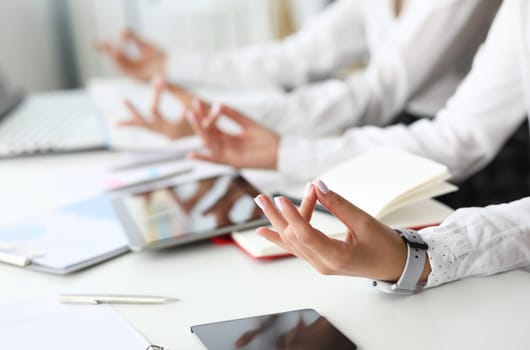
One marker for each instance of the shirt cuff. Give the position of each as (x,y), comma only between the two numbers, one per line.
(448,248)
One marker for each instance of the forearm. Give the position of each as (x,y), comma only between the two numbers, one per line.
(316,110)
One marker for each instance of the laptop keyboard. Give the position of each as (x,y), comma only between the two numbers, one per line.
(51,122)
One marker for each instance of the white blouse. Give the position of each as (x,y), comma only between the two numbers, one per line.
(489,240)
(416,62)
(490,104)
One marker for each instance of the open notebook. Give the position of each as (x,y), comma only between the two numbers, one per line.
(394,186)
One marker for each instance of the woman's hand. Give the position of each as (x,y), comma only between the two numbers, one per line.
(254,146)
(371,249)
(158,123)
(148,62)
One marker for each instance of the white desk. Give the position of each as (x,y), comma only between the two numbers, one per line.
(220,282)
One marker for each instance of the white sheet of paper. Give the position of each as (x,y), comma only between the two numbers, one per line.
(67,236)
(46,324)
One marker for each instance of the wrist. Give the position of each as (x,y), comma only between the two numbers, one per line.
(416,267)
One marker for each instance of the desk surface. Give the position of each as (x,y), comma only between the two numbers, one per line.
(220,282)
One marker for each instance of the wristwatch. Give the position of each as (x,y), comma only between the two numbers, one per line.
(408,282)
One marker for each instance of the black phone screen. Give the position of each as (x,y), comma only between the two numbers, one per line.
(292,330)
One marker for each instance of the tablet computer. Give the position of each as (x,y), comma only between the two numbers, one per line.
(298,329)
(162,215)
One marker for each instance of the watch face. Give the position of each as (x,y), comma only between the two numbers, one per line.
(293,330)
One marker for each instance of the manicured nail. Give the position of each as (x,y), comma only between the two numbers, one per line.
(191,118)
(196,104)
(216,109)
(158,80)
(322,187)
(278,202)
(308,188)
(259,202)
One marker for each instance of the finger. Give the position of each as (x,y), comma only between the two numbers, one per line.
(108,49)
(271,212)
(194,122)
(236,116)
(352,216)
(295,237)
(271,236)
(275,238)
(305,235)
(309,202)
(129,35)
(158,88)
(200,107)
(130,122)
(203,157)
(213,116)
(246,338)
(136,115)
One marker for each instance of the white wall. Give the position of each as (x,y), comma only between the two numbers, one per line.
(28,46)
(205,25)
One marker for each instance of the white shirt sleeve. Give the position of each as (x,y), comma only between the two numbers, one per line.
(317,50)
(486,109)
(479,241)
(430,39)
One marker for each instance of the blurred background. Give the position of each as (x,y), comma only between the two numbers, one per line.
(49,44)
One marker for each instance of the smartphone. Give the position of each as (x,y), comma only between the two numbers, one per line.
(298,329)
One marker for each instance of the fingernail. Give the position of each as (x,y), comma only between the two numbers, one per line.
(158,80)
(322,187)
(278,202)
(216,109)
(196,104)
(259,202)
(190,117)
(308,189)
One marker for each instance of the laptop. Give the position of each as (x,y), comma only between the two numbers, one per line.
(50,122)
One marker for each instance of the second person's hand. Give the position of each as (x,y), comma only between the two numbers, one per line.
(159,123)
(254,146)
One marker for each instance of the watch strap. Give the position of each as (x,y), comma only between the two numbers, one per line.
(414,265)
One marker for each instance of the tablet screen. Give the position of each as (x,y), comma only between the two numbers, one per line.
(189,211)
(299,329)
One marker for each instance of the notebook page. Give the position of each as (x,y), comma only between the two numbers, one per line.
(50,325)
(374,179)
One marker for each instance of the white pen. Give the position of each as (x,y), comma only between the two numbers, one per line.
(13,259)
(114,299)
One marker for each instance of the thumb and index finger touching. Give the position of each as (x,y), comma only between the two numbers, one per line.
(348,213)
